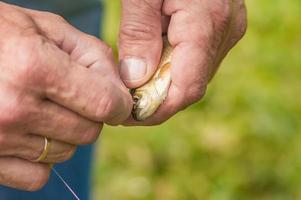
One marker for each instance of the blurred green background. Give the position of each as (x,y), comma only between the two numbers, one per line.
(241,142)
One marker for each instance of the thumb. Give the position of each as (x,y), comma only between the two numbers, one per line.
(140,40)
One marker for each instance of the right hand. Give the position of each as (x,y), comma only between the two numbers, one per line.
(201,34)
(55,82)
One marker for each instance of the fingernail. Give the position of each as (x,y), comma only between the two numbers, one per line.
(132,69)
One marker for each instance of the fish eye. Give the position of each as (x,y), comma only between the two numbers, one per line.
(136,99)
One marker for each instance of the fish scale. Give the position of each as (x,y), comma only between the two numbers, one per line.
(148,98)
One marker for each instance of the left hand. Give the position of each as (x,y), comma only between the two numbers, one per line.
(201,33)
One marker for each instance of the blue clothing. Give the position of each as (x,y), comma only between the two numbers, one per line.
(61,7)
(76,171)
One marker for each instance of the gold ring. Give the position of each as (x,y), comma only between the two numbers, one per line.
(44,154)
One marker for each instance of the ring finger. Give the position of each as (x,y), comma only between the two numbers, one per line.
(31,147)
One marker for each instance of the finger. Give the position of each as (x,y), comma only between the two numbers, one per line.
(237,29)
(58,123)
(183,91)
(191,60)
(168,108)
(202,23)
(22,174)
(84,49)
(140,40)
(201,41)
(175,102)
(90,92)
(96,93)
(196,39)
(30,147)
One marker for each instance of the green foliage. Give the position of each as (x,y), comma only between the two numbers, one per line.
(242,142)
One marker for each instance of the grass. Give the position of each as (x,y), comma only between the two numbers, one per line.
(241,142)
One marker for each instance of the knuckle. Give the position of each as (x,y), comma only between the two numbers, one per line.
(92,40)
(91,134)
(137,30)
(107,50)
(39,179)
(113,110)
(242,29)
(11,114)
(99,47)
(105,108)
(28,58)
(194,94)
(55,17)
(242,24)
(104,49)
(67,154)
(70,152)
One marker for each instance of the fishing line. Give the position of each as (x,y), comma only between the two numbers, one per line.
(65,183)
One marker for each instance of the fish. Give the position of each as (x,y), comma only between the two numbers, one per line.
(148,98)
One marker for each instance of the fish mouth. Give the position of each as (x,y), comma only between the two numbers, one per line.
(136,100)
(142,108)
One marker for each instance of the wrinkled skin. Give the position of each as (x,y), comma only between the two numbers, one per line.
(55,82)
(201,32)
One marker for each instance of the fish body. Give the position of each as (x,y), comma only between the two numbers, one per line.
(150,96)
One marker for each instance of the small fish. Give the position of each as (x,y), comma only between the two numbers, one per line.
(150,96)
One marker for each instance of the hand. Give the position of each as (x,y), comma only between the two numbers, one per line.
(55,82)
(201,33)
